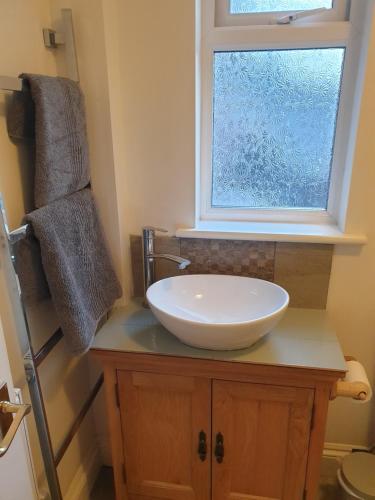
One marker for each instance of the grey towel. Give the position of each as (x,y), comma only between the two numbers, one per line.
(80,276)
(53,109)
(30,271)
(20,115)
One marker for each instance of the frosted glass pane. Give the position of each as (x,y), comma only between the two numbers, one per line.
(250,6)
(274,117)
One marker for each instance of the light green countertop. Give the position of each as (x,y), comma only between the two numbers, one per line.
(303,338)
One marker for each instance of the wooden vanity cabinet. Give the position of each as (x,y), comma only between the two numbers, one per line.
(191,429)
(260,437)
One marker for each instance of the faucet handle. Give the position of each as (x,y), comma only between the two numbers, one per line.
(149,231)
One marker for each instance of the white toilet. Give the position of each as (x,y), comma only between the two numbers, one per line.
(357,476)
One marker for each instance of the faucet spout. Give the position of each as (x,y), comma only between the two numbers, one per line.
(182,263)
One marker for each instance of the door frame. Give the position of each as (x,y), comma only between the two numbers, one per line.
(19,444)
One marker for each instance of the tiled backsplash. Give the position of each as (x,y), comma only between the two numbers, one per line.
(242,258)
(302,269)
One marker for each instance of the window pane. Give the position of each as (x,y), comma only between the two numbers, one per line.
(274,117)
(250,6)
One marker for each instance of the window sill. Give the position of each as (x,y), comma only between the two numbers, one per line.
(267,231)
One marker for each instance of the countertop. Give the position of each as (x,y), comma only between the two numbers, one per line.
(303,339)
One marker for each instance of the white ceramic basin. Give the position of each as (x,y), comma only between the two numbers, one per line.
(213,311)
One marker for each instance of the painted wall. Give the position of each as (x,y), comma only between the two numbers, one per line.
(150,56)
(65,382)
(351,298)
(157,73)
(156,180)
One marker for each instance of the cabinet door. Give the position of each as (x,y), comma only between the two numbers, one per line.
(163,419)
(262,431)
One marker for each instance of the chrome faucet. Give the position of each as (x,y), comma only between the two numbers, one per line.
(149,255)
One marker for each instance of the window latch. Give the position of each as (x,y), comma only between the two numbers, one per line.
(299,15)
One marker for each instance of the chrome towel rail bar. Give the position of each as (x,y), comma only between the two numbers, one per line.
(10,83)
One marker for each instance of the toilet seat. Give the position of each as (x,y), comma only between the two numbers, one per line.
(358,474)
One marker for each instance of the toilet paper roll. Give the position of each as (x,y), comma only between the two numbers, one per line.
(355,385)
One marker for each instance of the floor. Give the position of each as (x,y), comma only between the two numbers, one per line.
(329,489)
(104,489)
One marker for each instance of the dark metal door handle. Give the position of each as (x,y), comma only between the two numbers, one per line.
(202,446)
(219,448)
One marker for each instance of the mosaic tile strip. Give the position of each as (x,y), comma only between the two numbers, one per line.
(239,258)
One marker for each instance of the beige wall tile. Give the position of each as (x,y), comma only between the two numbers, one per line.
(304,271)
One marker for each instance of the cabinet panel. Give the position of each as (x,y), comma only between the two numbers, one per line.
(264,431)
(162,417)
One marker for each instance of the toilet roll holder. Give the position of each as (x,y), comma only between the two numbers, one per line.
(349,389)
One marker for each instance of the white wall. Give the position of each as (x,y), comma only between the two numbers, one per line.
(351,299)
(157,72)
(150,56)
(156,181)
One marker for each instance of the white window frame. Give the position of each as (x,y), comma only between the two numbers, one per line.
(338,12)
(325,33)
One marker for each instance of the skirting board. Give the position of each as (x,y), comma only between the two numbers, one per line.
(85,476)
(340,450)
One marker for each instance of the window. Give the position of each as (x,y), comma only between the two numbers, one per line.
(274,121)
(252,6)
(278,80)
(264,12)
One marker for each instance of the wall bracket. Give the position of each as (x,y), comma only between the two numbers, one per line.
(63,39)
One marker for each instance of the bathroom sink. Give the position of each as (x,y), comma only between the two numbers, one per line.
(218,312)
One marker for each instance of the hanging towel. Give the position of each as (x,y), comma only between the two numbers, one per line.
(80,276)
(52,109)
(30,271)
(20,116)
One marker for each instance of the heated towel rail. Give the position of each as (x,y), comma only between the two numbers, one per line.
(32,361)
